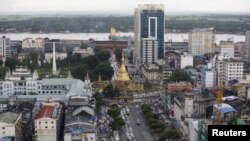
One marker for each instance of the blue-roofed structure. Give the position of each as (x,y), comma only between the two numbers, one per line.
(228,112)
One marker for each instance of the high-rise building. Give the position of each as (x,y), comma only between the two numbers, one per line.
(247,47)
(201,41)
(5,50)
(149,28)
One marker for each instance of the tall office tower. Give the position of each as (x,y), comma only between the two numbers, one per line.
(5,49)
(247,47)
(201,41)
(149,28)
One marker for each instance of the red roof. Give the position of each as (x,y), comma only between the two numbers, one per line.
(46,111)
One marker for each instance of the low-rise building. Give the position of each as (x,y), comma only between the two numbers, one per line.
(152,72)
(59,56)
(21,73)
(179,86)
(179,47)
(48,122)
(11,125)
(33,43)
(186,60)
(84,52)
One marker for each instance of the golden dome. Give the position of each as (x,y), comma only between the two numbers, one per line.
(122,74)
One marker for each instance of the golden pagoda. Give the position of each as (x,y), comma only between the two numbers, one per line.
(122,74)
(100,84)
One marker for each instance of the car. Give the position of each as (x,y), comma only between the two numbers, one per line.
(138,121)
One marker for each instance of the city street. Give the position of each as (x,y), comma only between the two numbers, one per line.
(142,131)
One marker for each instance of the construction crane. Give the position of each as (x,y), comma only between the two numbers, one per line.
(218,119)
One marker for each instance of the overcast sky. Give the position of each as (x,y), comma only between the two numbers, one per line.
(123,5)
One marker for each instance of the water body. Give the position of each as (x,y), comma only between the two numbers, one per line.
(176,37)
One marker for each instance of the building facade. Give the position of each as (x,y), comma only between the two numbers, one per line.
(186,60)
(11,125)
(178,47)
(232,70)
(247,46)
(33,43)
(47,122)
(201,41)
(208,76)
(149,25)
(5,49)
(227,47)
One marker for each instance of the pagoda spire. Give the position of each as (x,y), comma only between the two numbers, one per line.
(122,74)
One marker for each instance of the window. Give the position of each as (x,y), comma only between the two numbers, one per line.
(46,126)
(3,132)
(46,122)
(52,122)
(52,126)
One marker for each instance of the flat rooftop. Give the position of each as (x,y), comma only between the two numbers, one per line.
(8,117)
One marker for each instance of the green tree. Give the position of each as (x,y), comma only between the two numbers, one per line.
(91,61)
(11,63)
(105,69)
(113,112)
(2,72)
(103,55)
(79,72)
(180,76)
(98,99)
(118,54)
(172,134)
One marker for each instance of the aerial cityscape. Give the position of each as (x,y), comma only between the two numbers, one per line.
(124,70)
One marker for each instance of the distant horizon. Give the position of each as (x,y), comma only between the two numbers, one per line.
(111,12)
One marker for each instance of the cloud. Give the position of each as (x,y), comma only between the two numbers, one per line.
(123,5)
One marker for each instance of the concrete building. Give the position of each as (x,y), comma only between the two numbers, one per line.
(47,122)
(227,47)
(208,76)
(232,70)
(201,41)
(21,73)
(80,120)
(191,105)
(33,43)
(5,48)
(84,52)
(61,88)
(11,125)
(152,72)
(149,32)
(247,46)
(59,56)
(181,86)
(179,47)
(186,60)
(239,49)
(218,63)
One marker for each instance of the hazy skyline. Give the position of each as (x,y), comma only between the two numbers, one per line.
(221,6)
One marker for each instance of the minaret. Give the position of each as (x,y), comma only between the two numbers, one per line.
(54,71)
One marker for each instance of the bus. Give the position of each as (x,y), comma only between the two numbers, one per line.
(116,136)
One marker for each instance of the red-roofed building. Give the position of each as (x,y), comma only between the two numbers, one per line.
(47,121)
